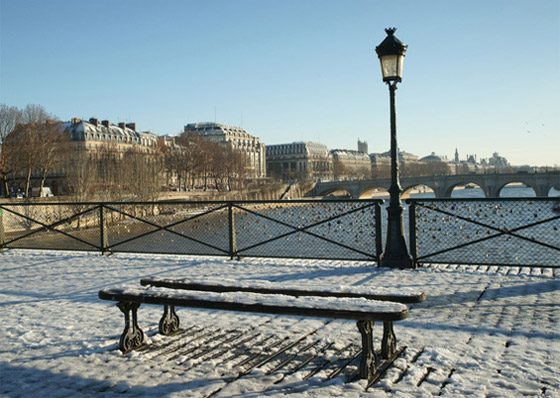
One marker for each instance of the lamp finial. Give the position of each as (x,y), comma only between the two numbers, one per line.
(390,31)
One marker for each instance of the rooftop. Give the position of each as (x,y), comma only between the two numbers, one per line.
(92,128)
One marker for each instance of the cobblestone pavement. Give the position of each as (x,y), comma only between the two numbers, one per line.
(482,332)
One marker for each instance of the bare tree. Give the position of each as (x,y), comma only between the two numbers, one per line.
(21,145)
(33,113)
(196,158)
(142,174)
(82,179)
(237,168)
(24,145)
(208,163)
(382,170)
(339,170)
(109,172)
(410,169)
(53,147)
(10,116)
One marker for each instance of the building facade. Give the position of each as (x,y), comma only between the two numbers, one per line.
(349,164)
(381,162)
(299,161)
(362,146)
(238,139)
(93,136)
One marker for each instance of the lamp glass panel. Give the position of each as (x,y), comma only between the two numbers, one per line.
(391,66)
(400,66)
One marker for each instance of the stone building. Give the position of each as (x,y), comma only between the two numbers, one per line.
(93,135)
(113,156)
(349,164)
(362,146)
(239,139)
(381,162)
(90,140)
(433,158)
(299,161)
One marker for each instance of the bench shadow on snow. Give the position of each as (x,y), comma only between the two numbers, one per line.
(17,381)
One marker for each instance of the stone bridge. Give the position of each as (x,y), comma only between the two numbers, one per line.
(491,184)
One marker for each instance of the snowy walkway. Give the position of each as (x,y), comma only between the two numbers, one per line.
(483,332)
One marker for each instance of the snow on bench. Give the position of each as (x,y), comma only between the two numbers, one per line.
(400,295)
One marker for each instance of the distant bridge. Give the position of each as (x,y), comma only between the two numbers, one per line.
(442,186)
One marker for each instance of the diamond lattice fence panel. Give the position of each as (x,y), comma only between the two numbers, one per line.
(50,226)
(305,229)
(489,231)
(181,228)
(298,229)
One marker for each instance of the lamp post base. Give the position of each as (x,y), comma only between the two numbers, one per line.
(396,254)
(399,261)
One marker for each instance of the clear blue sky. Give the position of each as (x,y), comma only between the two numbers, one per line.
(479,75)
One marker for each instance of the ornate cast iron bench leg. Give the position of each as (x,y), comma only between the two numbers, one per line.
(368,362)
(132,336)
(389,342)
(169,322)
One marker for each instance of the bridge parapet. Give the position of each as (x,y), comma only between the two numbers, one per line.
(443,186)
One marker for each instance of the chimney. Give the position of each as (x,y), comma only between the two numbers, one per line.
(131,126)
(122,125)
(94,121)
(106,123)
(75,120)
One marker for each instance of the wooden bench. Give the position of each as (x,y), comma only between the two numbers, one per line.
(408,296)
(318,304)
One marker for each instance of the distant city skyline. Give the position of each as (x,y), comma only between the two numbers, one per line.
(480,81)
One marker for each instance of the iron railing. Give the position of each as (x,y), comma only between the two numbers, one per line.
(512,231)
(320,229)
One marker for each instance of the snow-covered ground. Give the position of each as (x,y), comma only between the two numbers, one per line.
(482,332)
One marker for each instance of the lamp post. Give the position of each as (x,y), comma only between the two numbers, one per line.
(391,55)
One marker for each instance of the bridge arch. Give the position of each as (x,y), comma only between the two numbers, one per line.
(508,190)
(372,192)
(425,190)
(336,192)
(407,185)
(468,189)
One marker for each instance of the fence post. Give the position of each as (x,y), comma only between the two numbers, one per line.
(2,234)
(378,232)
(412,231)
(232,240)
(102,230)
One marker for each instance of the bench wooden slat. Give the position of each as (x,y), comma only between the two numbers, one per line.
(385,311)
(180,284)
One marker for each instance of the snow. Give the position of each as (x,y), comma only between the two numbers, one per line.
(357,305)
(482,331)
(260,284)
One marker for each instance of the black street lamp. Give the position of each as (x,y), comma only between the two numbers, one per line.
(391,55)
